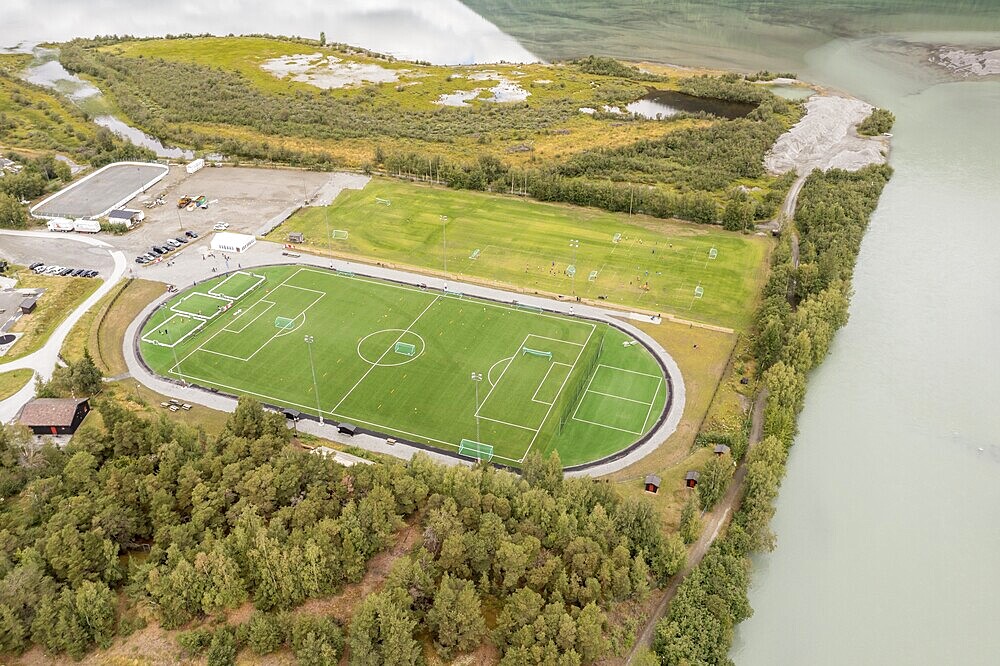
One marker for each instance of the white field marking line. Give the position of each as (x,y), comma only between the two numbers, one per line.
(173,307)
(284,332)
(507,423)
(585,392)
(201,323)
(502,373)
(489,373)
(568,375)
(306,408)
(564,342)
(221,330)
(260,279)
(619,397)
(534,398)
(634,372)
(652,402)
(475,299)
(604,425)
(250,323)
(388,349)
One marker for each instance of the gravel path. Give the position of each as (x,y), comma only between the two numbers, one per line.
(190,267)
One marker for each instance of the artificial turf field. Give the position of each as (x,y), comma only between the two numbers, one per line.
(547,381)
(656,264)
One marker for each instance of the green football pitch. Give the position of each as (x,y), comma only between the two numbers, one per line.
(456,373)
(694,271)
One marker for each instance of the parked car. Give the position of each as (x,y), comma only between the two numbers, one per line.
(77,272)
(52,270)
(140,260)
(190,234)
(65,272)
(221,226)
(91,274)
(172,243)
(158,251)
(40,269)
(181,239)
(35,265)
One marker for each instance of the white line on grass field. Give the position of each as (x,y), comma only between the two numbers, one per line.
(250,323)
(651,402)
(563,386)
(512,425)
(174,370)
(618,397)
(388,349)
(502,373)
(534,398)
(634,372)
(604,425)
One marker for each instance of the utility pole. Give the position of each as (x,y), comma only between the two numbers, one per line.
(575,244)
(319,411)
(444,240)
(476,378)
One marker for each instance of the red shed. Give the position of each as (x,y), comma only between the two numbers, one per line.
(691,479)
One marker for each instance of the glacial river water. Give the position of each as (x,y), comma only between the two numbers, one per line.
(889,519)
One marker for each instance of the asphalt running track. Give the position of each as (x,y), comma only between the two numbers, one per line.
(267,253)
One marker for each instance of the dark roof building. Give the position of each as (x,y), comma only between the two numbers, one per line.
(691,479)
(652,483)
(721,449)
(54,416)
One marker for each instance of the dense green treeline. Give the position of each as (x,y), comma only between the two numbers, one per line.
(878,122)
(149,514)
(802,309)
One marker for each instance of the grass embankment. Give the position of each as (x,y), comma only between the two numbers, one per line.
(35,119)
(62,296)
(13,381)
(655,267)
(703,357)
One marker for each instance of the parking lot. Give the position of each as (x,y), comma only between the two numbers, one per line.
(55,250)
(244,198)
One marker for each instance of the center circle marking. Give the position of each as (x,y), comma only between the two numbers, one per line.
(386,351)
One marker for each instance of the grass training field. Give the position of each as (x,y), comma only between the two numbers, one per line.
(654,264)
(432,367)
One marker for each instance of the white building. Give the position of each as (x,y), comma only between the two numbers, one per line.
(225,241)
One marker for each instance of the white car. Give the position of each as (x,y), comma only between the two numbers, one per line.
(221,226)
(52,270)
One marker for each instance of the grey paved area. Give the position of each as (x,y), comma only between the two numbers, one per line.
(44,361)
(52,248)
(190,267)
(95,194)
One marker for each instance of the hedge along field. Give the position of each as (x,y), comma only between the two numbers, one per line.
(528,244)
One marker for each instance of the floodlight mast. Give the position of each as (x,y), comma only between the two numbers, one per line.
(575,244)
(476,378)
(309,340)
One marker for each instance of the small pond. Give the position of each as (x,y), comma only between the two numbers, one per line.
(667,103)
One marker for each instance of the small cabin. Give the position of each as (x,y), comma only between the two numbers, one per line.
(54,416)
(296,237)
(691,479)
(347,428)
(720,449)
(28,304)
(652,483)
(292,414)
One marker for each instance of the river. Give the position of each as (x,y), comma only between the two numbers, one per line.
(887,520)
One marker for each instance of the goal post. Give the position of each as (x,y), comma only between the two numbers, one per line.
(339,234)
(383,202)
(528,351)
(405,348)
(474,449)
(284,323)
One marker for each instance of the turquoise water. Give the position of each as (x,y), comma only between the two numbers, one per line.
(888,518)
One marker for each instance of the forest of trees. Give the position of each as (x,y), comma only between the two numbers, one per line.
(142,517)
(802,309)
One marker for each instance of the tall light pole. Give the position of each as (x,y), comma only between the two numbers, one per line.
(444,240)
(309,345)
(476,378)
(575,244)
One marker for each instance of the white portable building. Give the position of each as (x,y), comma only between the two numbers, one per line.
(195,166)
(60,224)
(87,226)
(226,241)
